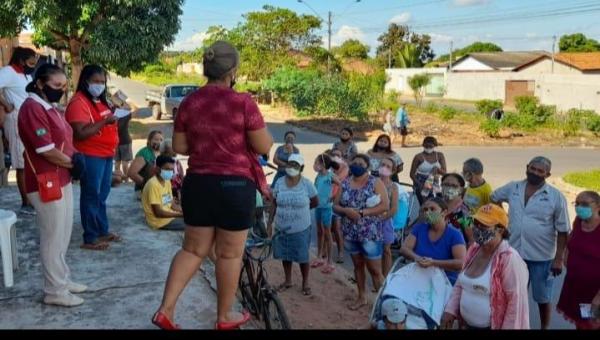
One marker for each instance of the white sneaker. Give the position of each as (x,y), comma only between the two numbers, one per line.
(68,300)
(76,288)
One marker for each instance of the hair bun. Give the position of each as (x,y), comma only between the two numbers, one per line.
(209,54)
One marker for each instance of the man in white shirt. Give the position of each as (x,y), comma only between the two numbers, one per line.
(539,225)
(14,78)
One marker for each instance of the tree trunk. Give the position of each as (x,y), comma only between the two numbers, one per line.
(76,61)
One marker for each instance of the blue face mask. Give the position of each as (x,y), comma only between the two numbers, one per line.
(357,170)
(167,175)
(584,213)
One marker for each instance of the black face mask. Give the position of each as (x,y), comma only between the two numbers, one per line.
(53,95)
(28,70)
(233,82)
(344,140)
(534,179)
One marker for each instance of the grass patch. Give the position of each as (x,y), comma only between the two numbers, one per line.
(138,130)
(587,179)
(162,79)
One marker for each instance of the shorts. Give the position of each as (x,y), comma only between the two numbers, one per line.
(403,130)
(292,247)
(324,216)
(388,232)
(225,202)
(15,145)
(541,280)
(372,250)
(124,153)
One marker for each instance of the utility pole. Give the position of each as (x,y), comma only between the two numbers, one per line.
(451,47)
(390,57)
(329,43)
(553,50)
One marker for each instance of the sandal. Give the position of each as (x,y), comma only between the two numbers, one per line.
(340,259)
(317,263)
(356,306)
(306,291)
(283,287)
(95,246)
(328,269)
(110,237)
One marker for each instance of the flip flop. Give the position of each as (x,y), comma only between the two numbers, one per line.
(328,269)
(283,287)
(110,237)
(355,306)
(306,291)
(317,263)
(95,246)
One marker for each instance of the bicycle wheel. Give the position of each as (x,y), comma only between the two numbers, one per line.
(274,314)
(245,288)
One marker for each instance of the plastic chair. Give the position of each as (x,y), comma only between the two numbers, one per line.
(8,245)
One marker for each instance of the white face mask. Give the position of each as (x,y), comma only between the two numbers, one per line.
(292,172)
(96,89)
(429,150)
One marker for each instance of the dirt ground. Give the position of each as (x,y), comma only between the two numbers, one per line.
(459,131)
(325,308)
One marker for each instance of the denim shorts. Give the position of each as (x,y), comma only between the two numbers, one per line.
(541,280)
(372,250)
(324,216)
(292,247)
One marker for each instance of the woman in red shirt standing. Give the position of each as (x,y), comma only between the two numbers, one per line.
(223,132)
(48,143)
(96,137)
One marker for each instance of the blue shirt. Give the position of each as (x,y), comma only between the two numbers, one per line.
(293,205)
(324,185)
(402,118)
(440,249)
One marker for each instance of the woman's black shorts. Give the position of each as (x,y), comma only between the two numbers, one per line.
(226,202)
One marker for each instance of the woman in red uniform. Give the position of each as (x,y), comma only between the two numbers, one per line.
(95,135)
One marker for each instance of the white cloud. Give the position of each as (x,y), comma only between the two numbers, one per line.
(440,38)
(464,3)
(190,43)
(531,35)
(344,33)
(401,18)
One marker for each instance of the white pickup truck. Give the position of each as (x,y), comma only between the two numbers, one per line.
(167,101)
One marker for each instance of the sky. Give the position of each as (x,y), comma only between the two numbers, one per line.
(515,25)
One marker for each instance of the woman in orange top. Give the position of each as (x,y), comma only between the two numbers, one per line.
(96,137)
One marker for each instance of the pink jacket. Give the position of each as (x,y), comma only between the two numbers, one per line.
(509,295)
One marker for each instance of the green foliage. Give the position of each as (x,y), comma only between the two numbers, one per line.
(526,104)
(409,57)
(392,101)
(394,40)
(447,113)
(578,42)
(486,106)
(575,120)
(589,180)
(475,47)
(519,121)
(369,88)
(417,83)
(431,108)
(593,124)
(491,127)
(352,48)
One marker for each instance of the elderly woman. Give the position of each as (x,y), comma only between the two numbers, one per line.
(294,196)
(491,291)
(381,150)
(282,154)
(582,283)
(223,132)
(48,142)
(425,164)
(361,202)
(142,167)
(436,242)
(453,189)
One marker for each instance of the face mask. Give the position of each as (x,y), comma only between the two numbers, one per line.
(292,172)
(357,170)
(483,236)
(318,167)
(289,141)
(96,89)
(433,217)
(450,193)
(337,160)
(344,140)
(385,172)
(233,82)
(382,147)
(28,70)
(534,179)
(155,146)
(429,150)
(584,213)
(468,176)
(167,175)
(53,95)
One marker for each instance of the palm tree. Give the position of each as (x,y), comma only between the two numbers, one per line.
(409,56)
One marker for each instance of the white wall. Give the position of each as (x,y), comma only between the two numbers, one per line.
(563,90)
(545,67)
(397,78)
(190,68)
(471,64)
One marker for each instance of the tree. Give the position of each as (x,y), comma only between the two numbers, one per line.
(394,40)
(409,56)
(119,34)
(476,47)
(352,48)
(417,83)
(578,42)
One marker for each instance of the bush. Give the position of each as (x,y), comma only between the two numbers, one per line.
(431,107)
(593,124)
(417,83)
(486,106)
(574,121)
(519,121)
(490,127)
(526,105)
(447,113)
(543,113)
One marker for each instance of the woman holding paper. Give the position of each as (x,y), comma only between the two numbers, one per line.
(95,136)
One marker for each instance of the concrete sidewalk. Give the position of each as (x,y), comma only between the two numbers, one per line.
(125,283)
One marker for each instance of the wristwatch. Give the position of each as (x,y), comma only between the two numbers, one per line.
(362,213)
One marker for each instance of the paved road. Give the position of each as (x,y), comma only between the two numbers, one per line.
(502,164)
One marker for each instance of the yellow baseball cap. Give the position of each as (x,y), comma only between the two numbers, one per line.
(492,215)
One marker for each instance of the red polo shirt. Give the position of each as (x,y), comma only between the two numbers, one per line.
(82,110)
(215,121)
(42,128)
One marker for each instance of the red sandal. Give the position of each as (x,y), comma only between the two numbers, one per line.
(227,326)
(161,321)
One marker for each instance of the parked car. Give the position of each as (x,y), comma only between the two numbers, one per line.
(167,101)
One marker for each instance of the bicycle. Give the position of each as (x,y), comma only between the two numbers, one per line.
(257,295)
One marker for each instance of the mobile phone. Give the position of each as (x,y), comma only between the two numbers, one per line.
(586,310)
